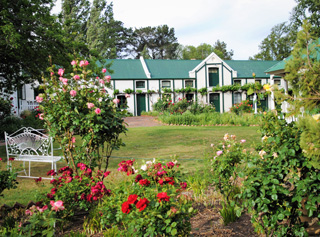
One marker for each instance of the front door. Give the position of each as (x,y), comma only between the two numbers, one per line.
(214,99)
(141,103)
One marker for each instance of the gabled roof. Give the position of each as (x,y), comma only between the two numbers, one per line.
(174,69)
(245,68)
(127,69)
(278,66)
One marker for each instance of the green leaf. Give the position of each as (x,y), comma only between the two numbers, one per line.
(250,91)
(280,216)
(174,232)
(274,196)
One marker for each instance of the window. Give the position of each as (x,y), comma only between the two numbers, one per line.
(189,97)
(166,84)
(188,83)
(140,84)
(122,102)
(213,76)
(237,82)
(237,98)
(22,92)
(277,82)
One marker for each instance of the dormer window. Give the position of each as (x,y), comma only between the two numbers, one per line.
(166,84)
(188,83)
(140,84)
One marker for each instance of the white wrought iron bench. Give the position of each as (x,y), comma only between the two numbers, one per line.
(30,145)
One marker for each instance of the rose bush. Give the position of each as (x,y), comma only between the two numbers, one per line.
(78,103)
(149,202)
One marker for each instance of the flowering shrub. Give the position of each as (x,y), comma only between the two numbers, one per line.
(150,202)
(78,192)
(243,107)
(279,179)
(78,103)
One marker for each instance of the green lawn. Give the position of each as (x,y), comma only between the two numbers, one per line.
(190,144)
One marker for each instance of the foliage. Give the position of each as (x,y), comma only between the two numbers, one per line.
(278,44)
(148,203)
(214,118)
(116,91)
(128,91)
(30,118)
(203,91)
(5,108)
(166,90)
(81,106)
(139,91)
(277,180)
(24,27)
(154,43)
(7,179)
(204,50)
(304,71)
(10,125)
(242,107)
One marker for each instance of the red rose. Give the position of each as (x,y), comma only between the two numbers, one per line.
(138,178)
(161,182)
(163,197)
(106,173)
(51,173)
(183,185)
(126,208)
(142,204)
(132,199)
(144,182)
(170,180)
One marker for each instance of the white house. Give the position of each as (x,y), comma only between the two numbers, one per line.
(148,79)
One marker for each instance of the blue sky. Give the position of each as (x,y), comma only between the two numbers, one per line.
(241,24)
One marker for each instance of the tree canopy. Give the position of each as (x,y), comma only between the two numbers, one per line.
(28,35)
(204,50)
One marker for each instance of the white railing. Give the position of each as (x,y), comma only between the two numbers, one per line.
(28,105)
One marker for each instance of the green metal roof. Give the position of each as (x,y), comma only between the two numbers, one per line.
(278,66)
(126,69)
(245,68)
(170,69)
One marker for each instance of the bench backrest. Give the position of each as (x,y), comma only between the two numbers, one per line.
(28,141)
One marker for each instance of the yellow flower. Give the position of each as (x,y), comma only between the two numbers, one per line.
(253,75)
(316,117)
(267,87)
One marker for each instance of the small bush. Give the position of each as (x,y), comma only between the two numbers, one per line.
(10,125)
(5,108)
(243,107)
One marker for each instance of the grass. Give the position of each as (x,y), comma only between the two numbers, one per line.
(191,145)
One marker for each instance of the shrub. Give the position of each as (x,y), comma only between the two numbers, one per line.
(148,203)
(243,107)
(10,125)
(278,178)
(7,179)
(5,108)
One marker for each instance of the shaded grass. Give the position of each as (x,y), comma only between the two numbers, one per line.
(191,145)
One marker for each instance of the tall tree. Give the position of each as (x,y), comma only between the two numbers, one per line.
(307,10)
(157,42)
(278,44)
(204,50)
(28,35)
(220,48)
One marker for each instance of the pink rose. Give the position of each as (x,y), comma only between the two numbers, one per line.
(90,105)
(41,116)
(116,101)
(127,96)
(61,72)
(73,93)
(83,63)
(39,99)
(104,70)
(73,63)
(219,153)
(57,206)
(73,140)
(76,77)
(98,111)
(65,81)
(101,81)
(51,73)
(108,78)
(242,141)
(0,159)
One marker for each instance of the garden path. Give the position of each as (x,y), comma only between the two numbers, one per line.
(142,121)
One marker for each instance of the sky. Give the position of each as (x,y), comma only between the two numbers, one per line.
(241,24)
